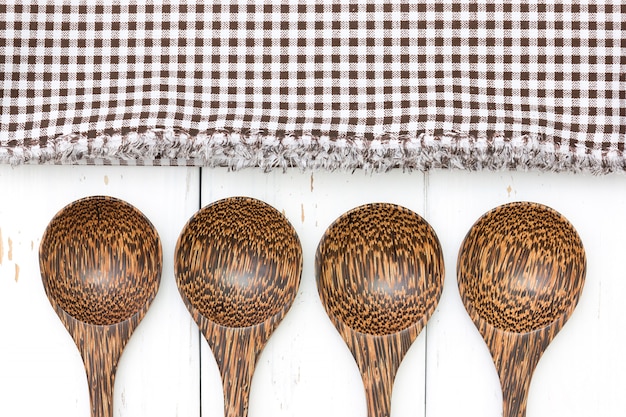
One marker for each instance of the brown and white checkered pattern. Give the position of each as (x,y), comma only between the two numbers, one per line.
(338,69)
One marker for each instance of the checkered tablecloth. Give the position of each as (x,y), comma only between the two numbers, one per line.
(480,84)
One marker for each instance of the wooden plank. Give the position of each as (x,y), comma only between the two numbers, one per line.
(41,372)
(306,369)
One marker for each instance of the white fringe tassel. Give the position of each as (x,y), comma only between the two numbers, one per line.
(238,150)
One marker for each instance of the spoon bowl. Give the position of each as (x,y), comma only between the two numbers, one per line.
(100,260)
(379,270)
(238,264)
(521,270)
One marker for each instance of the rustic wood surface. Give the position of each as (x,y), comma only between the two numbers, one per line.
(521,270)
(100,261)
(238,265)
(306,370)
(380,272)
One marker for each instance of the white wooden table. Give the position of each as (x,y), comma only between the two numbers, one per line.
(167,369)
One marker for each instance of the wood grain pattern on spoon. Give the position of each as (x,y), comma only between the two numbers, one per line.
(521,270)
(100,260)
(380,271)
(238,264)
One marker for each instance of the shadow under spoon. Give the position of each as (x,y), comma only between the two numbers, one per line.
(238,263)
(380,274)
(100,260)
(521,270)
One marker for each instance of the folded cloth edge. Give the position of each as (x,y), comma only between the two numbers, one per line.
(238,149)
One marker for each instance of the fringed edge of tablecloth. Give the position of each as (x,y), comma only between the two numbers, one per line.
(237,150)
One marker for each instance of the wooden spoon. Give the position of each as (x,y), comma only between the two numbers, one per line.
(379,274)
(238,263)
(521,270)
(100,261)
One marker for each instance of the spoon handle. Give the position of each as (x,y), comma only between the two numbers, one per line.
(100,348)
(236,351)
(100,357)
(516,356)
(378,359)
